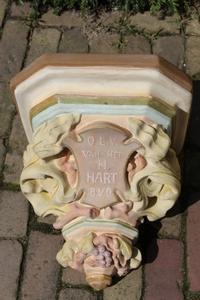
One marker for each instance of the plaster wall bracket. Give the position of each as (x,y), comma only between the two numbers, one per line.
(104,132)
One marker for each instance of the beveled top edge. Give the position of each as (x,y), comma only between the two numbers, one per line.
(117,60)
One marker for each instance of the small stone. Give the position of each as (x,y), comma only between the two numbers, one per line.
(43,41)
(193,243)
(41,268)
(129,288)
(3,5)
(136,45)
(78,294)
(151,24)
(73,277)
(20,11)
(13,214)
(10,261)
(14,158)
(69,19)
(12,48)
(163,276)
(193,55)
(171,48)
(193,27)
(105,43)
(7,110)
(73,41)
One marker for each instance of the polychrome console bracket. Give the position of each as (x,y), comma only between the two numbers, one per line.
(103,136)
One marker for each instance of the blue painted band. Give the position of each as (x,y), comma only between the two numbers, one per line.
(93,109)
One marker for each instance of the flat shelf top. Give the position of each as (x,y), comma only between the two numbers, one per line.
(101,60)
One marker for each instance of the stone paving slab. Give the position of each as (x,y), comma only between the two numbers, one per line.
(73,277)
(42,270)
(6,105)
(20,11)
(3,5)
(13,214)
(12,48)
(10,261)
(68,19)
(129,287)
(193,27)
(171,48)
(163,278)
(78,294)
(193,56)
(170,227)
(193,243)
(151,24)
(17,145)
(73,41)
(43,41)
(105,43)
(136,45)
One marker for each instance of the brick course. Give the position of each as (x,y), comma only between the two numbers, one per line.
(42,270)
(10,261)
(13,214)
(193,245)
(163,278)
(12,48)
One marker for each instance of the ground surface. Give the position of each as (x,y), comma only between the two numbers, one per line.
(28,245)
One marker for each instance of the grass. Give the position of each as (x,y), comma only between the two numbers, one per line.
(159,7)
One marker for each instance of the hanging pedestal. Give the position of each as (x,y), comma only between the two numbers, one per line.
(104,132)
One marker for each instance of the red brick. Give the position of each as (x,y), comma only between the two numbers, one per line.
(42,269)
(193,246)
(163,276)
(76,294)
(10,260)
(13,214)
